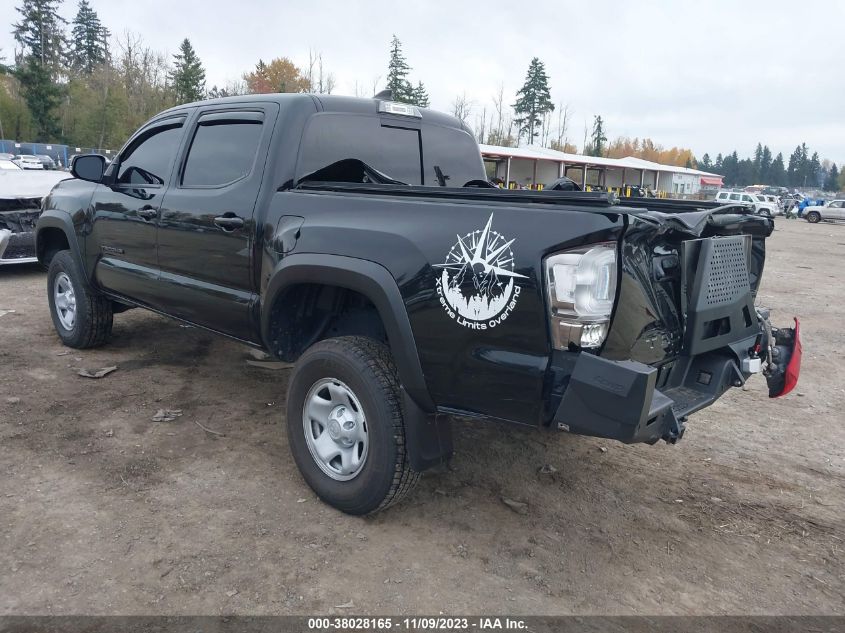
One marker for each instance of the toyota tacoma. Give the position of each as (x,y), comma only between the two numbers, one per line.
(360,239)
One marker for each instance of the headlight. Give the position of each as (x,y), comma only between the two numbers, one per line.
(581,289)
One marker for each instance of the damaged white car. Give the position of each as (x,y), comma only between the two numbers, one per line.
(21,192)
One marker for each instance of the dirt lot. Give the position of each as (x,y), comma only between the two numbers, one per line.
(105,511)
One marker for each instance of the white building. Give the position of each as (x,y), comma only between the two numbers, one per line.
(532,166)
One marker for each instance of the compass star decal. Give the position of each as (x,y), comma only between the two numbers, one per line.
(477,283)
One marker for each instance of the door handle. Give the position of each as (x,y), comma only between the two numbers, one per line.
(148,212)
(229,222)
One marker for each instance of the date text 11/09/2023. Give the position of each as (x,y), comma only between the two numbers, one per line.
(438,623)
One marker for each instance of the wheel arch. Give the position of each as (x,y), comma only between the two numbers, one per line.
(54,232)
(372,281)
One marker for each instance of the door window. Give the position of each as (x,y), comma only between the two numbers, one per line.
(221,152)
(149,159)
(734,196)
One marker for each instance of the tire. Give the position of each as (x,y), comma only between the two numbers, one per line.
(813,217)
(364,368)
(92,320)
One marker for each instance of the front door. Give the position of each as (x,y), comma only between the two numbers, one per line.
(207,227)
(122,241)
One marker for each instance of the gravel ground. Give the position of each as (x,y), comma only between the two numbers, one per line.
(104,511)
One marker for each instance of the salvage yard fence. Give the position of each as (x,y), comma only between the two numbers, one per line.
(58,152)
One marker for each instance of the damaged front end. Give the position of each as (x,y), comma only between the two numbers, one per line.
(17,229)
(685,328)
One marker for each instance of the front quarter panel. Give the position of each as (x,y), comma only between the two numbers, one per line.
(67,207)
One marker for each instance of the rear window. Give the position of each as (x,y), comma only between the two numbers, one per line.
(331,138)
(454,152)
(403,154)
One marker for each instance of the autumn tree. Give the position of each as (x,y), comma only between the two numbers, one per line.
(280,75)
(187,75)
(533,100)
(89,41)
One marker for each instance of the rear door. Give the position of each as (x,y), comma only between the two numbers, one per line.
(207,222)
(122,243)
(835,210)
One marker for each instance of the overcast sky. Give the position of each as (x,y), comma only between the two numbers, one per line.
(713,76)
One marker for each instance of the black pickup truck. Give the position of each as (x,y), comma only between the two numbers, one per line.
(361,239)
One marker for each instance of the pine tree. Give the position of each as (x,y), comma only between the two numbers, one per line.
(89,41)
(217,93)
(533,100)
(795,168)
(766,165)
(41,34)
(831,183)
(777,172)
(397,71)
(188,75)
(38,66)
(813,176)
(758,161)
(597,138)
(705,164)
(420,96)
(731,169)
(42,97)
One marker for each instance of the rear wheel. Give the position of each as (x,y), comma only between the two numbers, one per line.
(813,217)
(345,425)
(81,316)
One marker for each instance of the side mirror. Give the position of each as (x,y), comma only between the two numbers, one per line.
(89,167)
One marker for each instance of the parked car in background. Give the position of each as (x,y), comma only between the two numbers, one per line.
(760,206)
(833,210)
(46,161)
(21,192)
(6,156)
(774,201)
(28,161)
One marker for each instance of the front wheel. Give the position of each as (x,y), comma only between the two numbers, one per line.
(345,425)
(813,217)
(82,318)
